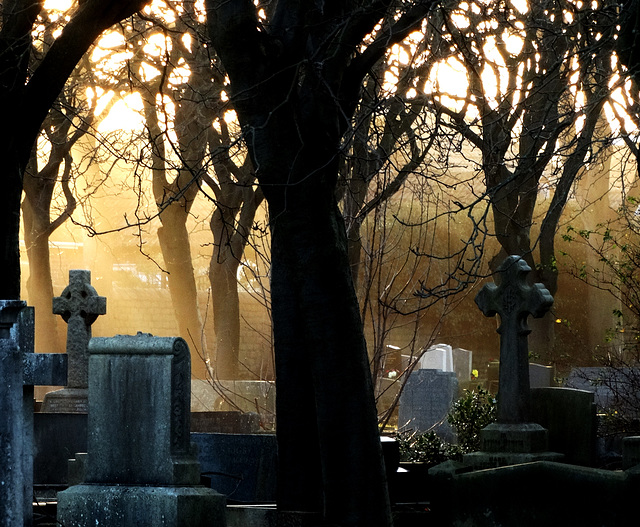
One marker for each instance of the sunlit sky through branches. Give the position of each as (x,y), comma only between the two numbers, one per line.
(447,79)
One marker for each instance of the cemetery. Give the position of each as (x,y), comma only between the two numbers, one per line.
(271,263)
(119,445)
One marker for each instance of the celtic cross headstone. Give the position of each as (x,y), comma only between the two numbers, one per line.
(514,300)
(79,305)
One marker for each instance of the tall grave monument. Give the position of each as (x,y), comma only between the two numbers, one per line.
(140,466)
(513,438)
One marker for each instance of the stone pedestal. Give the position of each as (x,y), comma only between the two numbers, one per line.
(142,506)
(140,468)
(630,452)
(504,444)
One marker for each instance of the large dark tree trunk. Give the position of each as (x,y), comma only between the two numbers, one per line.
(294,82)
(329,452)
(10,222)
(323,379)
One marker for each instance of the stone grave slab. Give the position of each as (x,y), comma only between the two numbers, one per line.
(240,396)
(225,422)
(240,466)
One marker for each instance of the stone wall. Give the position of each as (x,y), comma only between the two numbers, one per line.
(146,309)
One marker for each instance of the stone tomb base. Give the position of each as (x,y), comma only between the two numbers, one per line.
(140,506)
(66,400)
(511,444)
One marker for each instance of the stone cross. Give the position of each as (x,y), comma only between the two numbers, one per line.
(514,300)
(79,305)
(20,370)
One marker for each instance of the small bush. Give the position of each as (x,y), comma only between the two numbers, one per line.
(425,447)
(470,414)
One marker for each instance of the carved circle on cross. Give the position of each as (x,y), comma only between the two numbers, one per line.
(80,298)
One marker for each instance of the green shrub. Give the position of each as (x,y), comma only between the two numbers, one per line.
(425,447)
(470,414)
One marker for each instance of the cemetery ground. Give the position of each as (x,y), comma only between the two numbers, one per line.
(120,443)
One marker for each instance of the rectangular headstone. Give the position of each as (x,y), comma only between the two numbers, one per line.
(462,364)
(540,376)
(426,400)
(139,419)
(570,417)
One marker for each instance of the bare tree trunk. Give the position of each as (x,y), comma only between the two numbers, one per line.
(27,97)
(39,285)
(223,272)
(176,250)
(322,373)
(174,200)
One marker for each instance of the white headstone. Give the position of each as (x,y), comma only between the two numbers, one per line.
(437,357)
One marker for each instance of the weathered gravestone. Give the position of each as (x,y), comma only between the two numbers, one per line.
(513,438)
(462,364)
(570,417)
(540,376)
(425,402)
(20,370)
(79,305)
(140,468)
